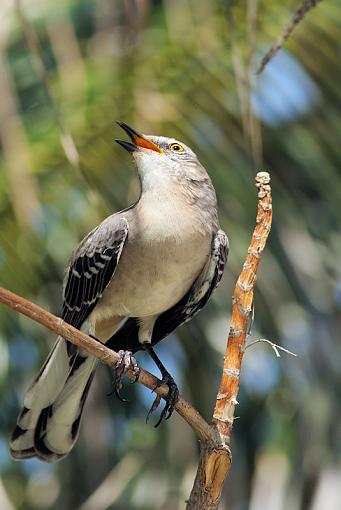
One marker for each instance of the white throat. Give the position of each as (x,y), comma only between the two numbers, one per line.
(156,171)
(171,203)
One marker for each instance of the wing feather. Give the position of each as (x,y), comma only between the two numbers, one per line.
(92,266)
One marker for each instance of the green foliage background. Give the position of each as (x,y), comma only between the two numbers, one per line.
(183,69)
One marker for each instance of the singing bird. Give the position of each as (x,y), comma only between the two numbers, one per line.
(133,279)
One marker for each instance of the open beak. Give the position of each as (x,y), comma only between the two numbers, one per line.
(137,140)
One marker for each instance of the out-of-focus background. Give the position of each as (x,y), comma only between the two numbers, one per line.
(183,68)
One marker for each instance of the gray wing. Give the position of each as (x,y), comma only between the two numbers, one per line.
(183,311)
(92,266)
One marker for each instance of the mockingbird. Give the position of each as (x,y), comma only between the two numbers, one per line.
(133,279)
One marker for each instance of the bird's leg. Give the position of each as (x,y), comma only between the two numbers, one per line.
(124,364)
(173,392)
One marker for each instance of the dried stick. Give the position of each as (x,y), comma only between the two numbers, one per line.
(297,17)
(276,348)
(215,457)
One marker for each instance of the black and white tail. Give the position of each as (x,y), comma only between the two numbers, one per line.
(48,425)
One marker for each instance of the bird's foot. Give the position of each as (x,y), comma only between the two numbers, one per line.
(171,399)
(125,363)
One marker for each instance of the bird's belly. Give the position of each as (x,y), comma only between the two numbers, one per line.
(151,279)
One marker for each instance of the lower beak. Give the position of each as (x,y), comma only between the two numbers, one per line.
(138,140)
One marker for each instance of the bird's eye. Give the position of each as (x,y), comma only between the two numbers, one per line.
(176,147)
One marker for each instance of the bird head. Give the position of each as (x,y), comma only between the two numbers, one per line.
(169,168)
(148,149)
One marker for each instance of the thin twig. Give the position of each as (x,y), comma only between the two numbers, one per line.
(274,346)
(297,17)
(101,352)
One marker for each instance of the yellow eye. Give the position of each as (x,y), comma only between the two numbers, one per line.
(176,147)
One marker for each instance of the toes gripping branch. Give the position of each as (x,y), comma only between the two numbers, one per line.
(126,363)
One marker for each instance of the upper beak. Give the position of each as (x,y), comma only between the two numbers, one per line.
(137,139)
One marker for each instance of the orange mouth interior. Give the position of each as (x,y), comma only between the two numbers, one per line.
(146,144)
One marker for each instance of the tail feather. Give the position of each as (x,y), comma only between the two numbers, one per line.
(52,376)
(48,425)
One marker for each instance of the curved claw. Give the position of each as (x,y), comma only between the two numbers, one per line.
(171,399)
(124,364)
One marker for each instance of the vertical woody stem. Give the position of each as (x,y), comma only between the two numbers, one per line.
(242,303)
(215,456)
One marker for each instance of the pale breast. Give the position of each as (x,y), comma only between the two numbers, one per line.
(152,277)
(168,244)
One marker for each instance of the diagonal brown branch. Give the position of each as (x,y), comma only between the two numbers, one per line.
(215,457)
(101,352)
